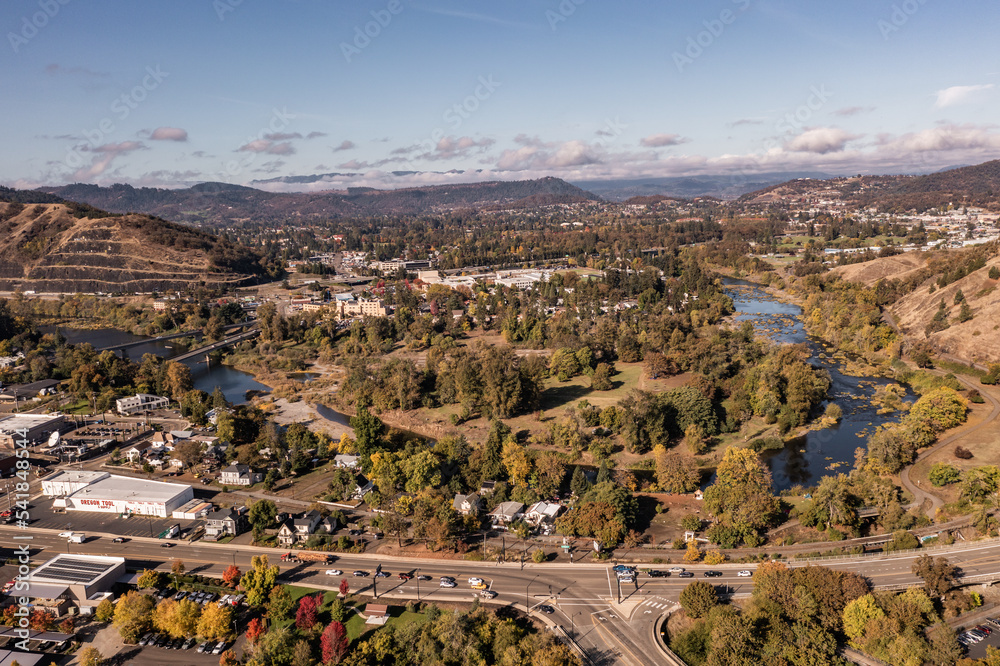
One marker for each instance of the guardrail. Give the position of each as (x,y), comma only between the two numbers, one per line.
(909,551)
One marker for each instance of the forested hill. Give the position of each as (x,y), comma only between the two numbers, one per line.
(221,204)
(68,247)
(977,185)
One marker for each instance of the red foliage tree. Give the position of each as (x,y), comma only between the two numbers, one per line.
(305,616)
(334,643)
(228,658)
(344,587)
(231,576)
(255,629)
(41,620)
(67,626)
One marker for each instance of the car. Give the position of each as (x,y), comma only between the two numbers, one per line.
(447,583)
(423,577)
(983,628)
(166,544)
(210,597)
(474,580)
(488,594)
(224,601)
(657,573)
(746,573)
(177,643)
(119,540)
(145,638)
(548,610)
(333,572)
(712,574)
(189,643)
(381,574)
(625,578)
(180,595)
(619,568)
(219,648)
(205,646)
(161,640)
(405,576)
(360,574)
(354,532)
(448,578)
(676,569)
(65,535)
(480,586)
(685,574)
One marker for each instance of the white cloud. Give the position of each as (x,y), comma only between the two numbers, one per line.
(104,155)
(959,95)
(661,140)
(345,145)
(267,146)
(848,111)
(169,134)
(282,136)
(821,140)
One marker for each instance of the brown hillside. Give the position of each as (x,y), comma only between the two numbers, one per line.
(977,340)
(56,248)
(870,272)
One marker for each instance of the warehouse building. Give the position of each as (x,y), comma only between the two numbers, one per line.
(67,482)
(36,428)
(83,580)
(117,494)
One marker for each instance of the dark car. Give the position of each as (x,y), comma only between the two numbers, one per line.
(405,576)
(685,574)
(548,610)
(381,574)
(361,574)
(712,574)
(166,544)
(423,577)
(119,540)
(658,573)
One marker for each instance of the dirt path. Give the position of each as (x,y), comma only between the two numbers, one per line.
(920,496)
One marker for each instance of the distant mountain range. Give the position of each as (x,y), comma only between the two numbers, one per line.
(222,204)
(689,187)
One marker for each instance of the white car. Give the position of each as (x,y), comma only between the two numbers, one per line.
(333,572)
(746,573)
(447,583)
(475,581)
(65,535)
(676,569)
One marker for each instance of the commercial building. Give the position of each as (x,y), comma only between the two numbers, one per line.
(36,428)
(17,393)
(84,579)
(67,482)
(362,308)
(118,494)
(139,403)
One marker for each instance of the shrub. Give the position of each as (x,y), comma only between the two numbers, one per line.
(691,522)
(942,474)
(714,557)
(963,453)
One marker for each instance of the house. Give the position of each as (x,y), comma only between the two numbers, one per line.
(467,504)
(137,451)
(506,513)
(542,512)
(362,487)
(299,529)
(345,460)
(239,475)
(487,487)
(225,522)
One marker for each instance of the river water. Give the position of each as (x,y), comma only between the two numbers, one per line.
(234,383)
(820,453)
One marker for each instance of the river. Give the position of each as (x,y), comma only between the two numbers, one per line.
(821,452)
(234,383)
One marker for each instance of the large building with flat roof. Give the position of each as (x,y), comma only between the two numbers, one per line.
(35,428)
(107,493)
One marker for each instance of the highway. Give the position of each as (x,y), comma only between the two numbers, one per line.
(584,596)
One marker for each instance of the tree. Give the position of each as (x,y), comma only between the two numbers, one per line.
(276,647)
(262,514)
(177,618)
(231,576)
(858,613)
(516,462)
(177,380)
(334,643)
(255,629)
(90,656)
(229,658)
(216,622)
(741,496)
(942,474)
(344,587)
(302,654)
(674,472)
(692,554)
(305,616)
(259,580)
(601,380)
(368,432)
(41,620)
(149,579)
(994,273)
(280,603)
(105,611)
(177,567)
(188,452)
(938,574)
(133,616)
(698,598)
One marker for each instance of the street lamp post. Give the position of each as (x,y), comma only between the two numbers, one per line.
(527,608)
(418,584)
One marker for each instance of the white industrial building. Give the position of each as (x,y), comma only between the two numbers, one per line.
(139,403)
(35,428)
(107,493)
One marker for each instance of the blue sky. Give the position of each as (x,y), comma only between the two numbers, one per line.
(171,93)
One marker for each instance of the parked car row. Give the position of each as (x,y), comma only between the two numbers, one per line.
(979,632)
(152,639)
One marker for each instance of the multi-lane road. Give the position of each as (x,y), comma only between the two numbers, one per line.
(584,597)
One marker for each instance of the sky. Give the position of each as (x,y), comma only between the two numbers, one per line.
(171,93)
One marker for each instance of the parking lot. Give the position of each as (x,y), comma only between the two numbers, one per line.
(43,516)
(978,650)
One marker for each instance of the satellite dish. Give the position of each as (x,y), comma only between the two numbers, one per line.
(54,439)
